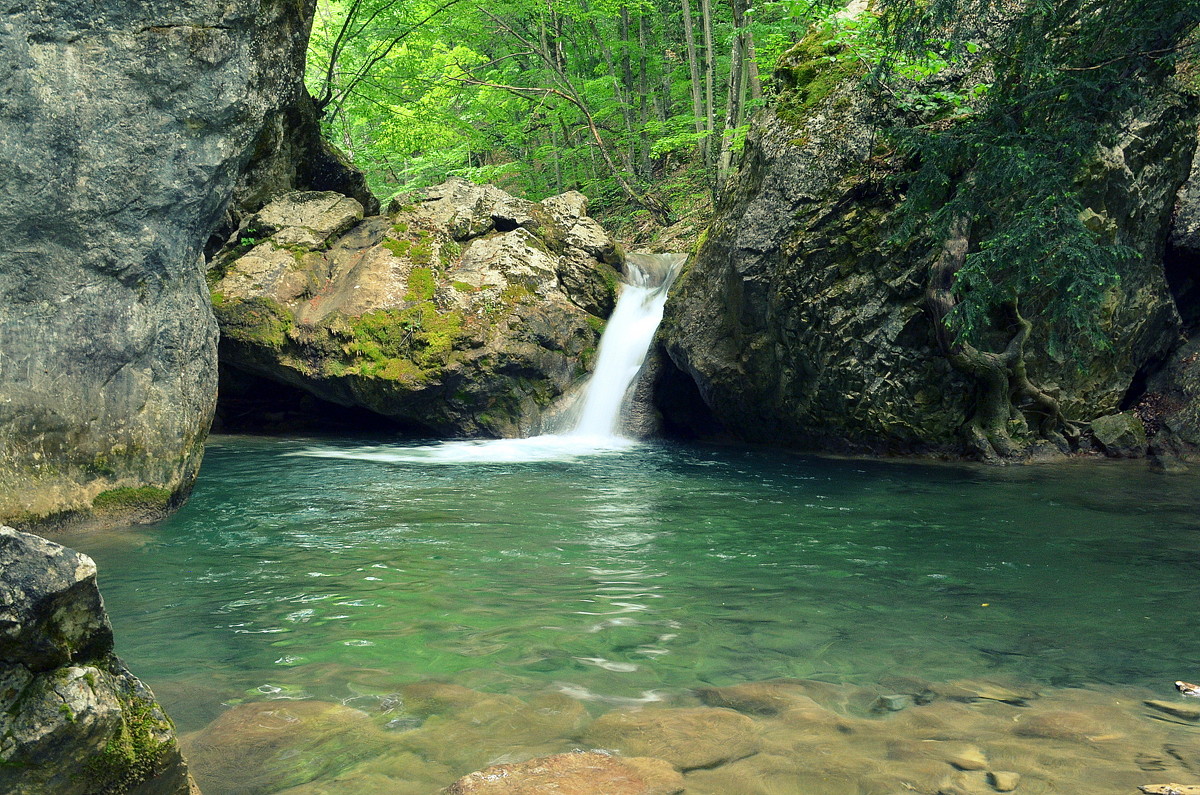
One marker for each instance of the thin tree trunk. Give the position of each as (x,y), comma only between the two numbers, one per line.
(628,81)
(753,77)
(554,147)
(694,73)
(619,93)
(644,98)
(733,98)
(661,39)
(710,124)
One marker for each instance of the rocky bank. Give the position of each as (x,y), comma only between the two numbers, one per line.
(463,311)
(73,719)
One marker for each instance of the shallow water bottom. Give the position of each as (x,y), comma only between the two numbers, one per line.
(343,616)
(783,737)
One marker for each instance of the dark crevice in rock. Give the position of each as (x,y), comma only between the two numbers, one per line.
(248,403)
(685,415)
(1182,269)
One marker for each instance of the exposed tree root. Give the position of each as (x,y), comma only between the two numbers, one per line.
(999,429)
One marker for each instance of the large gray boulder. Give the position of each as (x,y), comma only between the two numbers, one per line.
(462,312)
(804,318)
(123,130)
(73,720)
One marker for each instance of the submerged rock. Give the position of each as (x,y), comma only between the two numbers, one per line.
(123,129)
(268,746)
(573,774)
(73,720)
(687,738)
(463,313)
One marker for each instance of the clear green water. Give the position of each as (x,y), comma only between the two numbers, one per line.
(644,573)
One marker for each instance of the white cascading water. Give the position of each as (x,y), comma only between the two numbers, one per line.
(593,426)
(625,343)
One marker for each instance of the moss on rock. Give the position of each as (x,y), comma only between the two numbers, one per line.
(128,498)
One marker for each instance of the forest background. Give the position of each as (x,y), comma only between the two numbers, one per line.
(642,105)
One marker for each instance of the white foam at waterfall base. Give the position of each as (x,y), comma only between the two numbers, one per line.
(593,427)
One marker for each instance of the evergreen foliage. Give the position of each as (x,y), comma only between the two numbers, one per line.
(1013,163)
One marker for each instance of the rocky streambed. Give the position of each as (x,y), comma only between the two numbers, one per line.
(777,737)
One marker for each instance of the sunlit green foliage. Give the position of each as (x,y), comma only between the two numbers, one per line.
(538,97)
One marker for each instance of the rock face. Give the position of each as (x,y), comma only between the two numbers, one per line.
(123,128)
(462,313)
(73,720)
(803,322)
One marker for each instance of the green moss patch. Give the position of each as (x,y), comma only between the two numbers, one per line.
(404,344)
(129,498)
(421,284)
(399,248)
(809,74)
(133,754)
(257,321)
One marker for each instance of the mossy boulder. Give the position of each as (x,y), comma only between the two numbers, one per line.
(73,719)
(462,312)
(268,746)
(803,319)
(1120,435)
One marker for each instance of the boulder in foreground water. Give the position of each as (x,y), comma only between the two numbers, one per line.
(266,746)
(73,719)
(573,774)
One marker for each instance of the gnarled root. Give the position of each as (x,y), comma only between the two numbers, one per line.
(1005,389)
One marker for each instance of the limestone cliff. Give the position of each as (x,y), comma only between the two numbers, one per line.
(73,720)
(463,311)
(805,318)
(123,130)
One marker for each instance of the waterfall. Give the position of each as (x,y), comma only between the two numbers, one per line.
(626,341)
(592,426)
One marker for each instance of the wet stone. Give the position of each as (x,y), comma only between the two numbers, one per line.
(573,774)
(1004,780)
(755,698)
(1060,725)
(893,703)
(267,746)
(1184,711)
(687,738)
(967,758)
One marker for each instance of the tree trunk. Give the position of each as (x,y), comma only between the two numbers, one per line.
(644,98)
(710,152)
(694,72)
(1002,379)
(733,99)
(601,42)
(754,79)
